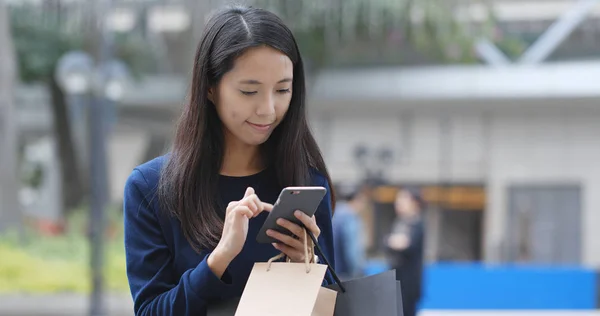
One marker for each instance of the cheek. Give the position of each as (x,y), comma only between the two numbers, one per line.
(234,115)
(282,108)
(231,108)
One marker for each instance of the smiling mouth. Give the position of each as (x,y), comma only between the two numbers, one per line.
(261,127)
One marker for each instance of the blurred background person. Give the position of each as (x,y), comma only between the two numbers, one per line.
(405,245)
(348,230)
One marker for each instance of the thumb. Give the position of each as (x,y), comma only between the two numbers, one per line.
(249,191)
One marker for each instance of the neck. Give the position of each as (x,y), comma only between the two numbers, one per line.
(240,159)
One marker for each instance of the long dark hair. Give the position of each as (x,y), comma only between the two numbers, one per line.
(187,187)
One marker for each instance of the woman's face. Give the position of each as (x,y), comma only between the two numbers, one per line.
(254,96)
(405,204)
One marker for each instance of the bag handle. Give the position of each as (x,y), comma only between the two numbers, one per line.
(309,257)
(322,255)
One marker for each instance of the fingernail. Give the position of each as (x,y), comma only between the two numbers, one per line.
(269,232)
(280,221)
(298,213)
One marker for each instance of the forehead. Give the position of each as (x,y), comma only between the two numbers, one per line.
(264,64)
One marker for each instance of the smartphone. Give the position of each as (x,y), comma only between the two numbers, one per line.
(291,199)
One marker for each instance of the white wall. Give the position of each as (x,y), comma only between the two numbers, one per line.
(545,148)
(416,140)
(495,147)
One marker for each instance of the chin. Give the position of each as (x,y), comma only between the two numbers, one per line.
(256,140)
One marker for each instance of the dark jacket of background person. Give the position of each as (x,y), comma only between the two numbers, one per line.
(407,259)
(409,262)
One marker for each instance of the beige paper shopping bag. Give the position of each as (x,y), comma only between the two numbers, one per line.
(285,288)
(325,305)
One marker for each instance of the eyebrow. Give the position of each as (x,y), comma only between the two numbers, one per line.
(252,81)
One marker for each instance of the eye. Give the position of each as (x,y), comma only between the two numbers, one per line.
(282,91)
(248,92)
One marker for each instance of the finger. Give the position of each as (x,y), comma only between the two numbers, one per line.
(288,240)
(294,228)
(231,206)
(309,222)
(261,206)
(249,191)
(292,253)
(264,207)
(243,210)
(267,206)
(252,202)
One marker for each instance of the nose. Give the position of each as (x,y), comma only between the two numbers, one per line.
(267,106)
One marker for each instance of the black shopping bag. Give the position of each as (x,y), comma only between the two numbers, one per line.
(375,295)
(399,299)
(223,308)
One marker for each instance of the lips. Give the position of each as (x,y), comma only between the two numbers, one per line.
(261,127)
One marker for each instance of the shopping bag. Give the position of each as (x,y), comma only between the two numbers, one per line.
(286,288)
(375,295)
(324,305)
(399,299)
(223,308)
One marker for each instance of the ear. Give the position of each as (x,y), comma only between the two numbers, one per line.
(211,94)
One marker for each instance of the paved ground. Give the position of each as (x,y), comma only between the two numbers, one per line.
(510,313)
(60,305)
(73,305)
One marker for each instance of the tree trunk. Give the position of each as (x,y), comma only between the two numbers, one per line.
(73,187)
(10,210)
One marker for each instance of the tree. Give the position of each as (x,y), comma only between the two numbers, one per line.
(39,44)
(10,214)
(42,36)
(350,32)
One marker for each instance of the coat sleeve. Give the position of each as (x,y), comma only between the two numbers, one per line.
(323,218)
(154,288)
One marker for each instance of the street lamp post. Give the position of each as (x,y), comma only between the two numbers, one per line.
(73,73)
(77,76)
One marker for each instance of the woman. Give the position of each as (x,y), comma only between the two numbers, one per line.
(405,246)
(191,217)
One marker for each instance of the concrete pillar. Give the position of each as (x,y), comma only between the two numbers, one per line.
(10,214)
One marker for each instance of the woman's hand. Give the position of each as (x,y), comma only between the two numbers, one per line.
(292,247)
(235,229)
(398,241)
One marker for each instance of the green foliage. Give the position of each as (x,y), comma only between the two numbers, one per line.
(376,32)
(135,51)
(384,32)
(41,37)
(59,264)
(513,46)
(32,174)
(39,43)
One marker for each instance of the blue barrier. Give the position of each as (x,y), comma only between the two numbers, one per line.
(470,286)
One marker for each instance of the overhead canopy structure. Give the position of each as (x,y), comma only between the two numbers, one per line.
(544,81)
(549,84)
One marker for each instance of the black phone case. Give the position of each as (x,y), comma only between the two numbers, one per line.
(290,200)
